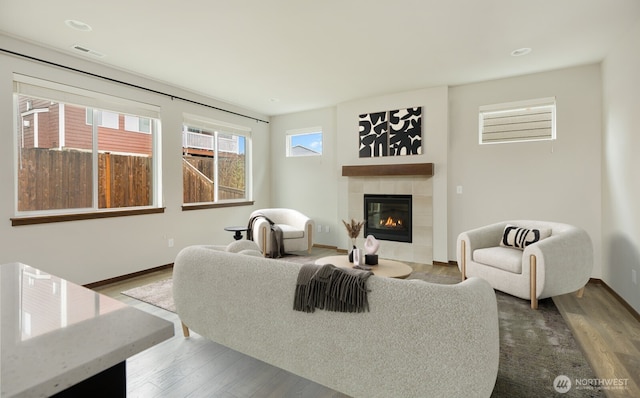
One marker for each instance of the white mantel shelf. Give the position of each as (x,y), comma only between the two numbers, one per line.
(410,169)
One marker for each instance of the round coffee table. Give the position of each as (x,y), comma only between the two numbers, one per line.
(388,268)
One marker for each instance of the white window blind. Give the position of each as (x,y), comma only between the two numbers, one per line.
(531,120)
(39,88)
(215,125)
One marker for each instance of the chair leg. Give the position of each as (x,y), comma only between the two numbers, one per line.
(310,241)
(463,265)
(185,330)
(264,241)
(580,291)
(532,276)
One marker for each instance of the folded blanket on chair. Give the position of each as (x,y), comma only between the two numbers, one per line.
(277,245)
(331,288)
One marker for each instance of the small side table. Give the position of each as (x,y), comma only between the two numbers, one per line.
(238,231)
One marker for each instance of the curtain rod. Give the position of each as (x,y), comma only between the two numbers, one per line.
(129,84)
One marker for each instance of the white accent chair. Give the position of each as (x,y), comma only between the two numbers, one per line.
(297,229)
(559,264)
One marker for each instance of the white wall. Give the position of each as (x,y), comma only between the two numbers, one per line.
(434,147)
(621,187)
(553,180)
(307,183)
(94,250)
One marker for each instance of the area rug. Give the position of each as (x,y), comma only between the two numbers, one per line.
(158,293)
(536,346)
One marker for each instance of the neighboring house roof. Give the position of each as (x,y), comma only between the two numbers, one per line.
(300,150)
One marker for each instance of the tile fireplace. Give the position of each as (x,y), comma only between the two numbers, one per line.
(414,180)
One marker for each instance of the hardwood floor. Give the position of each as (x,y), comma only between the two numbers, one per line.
(608,334)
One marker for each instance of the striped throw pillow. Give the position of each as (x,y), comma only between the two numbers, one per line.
(519,237)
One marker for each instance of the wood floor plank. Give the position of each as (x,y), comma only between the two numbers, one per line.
(595,321)
(258,379)
(212,376)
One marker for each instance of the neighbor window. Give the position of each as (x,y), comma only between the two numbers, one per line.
(215,161)
(74,155)
(531,120)
(137,124)
(304,142)
(105,119)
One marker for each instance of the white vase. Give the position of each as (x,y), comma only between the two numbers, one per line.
(358,257)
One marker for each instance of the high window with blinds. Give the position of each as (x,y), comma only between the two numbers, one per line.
(532,120)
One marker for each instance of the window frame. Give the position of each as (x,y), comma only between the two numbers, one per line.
(290,134)
(221,130)
(64,95)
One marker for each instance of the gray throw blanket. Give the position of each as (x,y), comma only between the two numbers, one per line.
(277,245)
(331,288)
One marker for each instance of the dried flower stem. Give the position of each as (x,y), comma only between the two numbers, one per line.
(354,228)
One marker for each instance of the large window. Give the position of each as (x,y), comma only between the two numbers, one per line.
(531,120)
(215,162)
(74,154)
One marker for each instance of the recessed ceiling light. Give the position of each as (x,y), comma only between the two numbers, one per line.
(520,52)
(77,25)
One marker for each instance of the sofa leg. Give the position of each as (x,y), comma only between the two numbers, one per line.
(463,256)
(532,276)
(580,291)
(185,330)
(310,238)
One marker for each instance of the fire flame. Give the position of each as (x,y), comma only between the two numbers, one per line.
(390,222)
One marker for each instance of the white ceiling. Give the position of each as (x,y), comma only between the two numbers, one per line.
(283,56)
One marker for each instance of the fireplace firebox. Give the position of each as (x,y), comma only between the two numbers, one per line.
(388,217)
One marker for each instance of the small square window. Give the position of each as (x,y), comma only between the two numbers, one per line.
(304,142)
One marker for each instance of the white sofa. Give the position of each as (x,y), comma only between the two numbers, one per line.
(560,264)
(418,339)
(297,229)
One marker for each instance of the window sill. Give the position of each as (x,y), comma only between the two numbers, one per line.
(201,206)
(17,221)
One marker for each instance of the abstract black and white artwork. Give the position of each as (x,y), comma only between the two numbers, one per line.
(393,133)
(374,135)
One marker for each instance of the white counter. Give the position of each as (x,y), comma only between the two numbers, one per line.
(55,334)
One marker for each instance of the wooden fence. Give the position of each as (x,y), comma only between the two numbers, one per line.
(50,179)
(198,187)
(125,181)
(54,179)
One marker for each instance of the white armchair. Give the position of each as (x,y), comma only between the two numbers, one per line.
(560,264)
(297,229)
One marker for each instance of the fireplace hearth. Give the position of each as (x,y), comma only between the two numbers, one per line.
(388,217)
